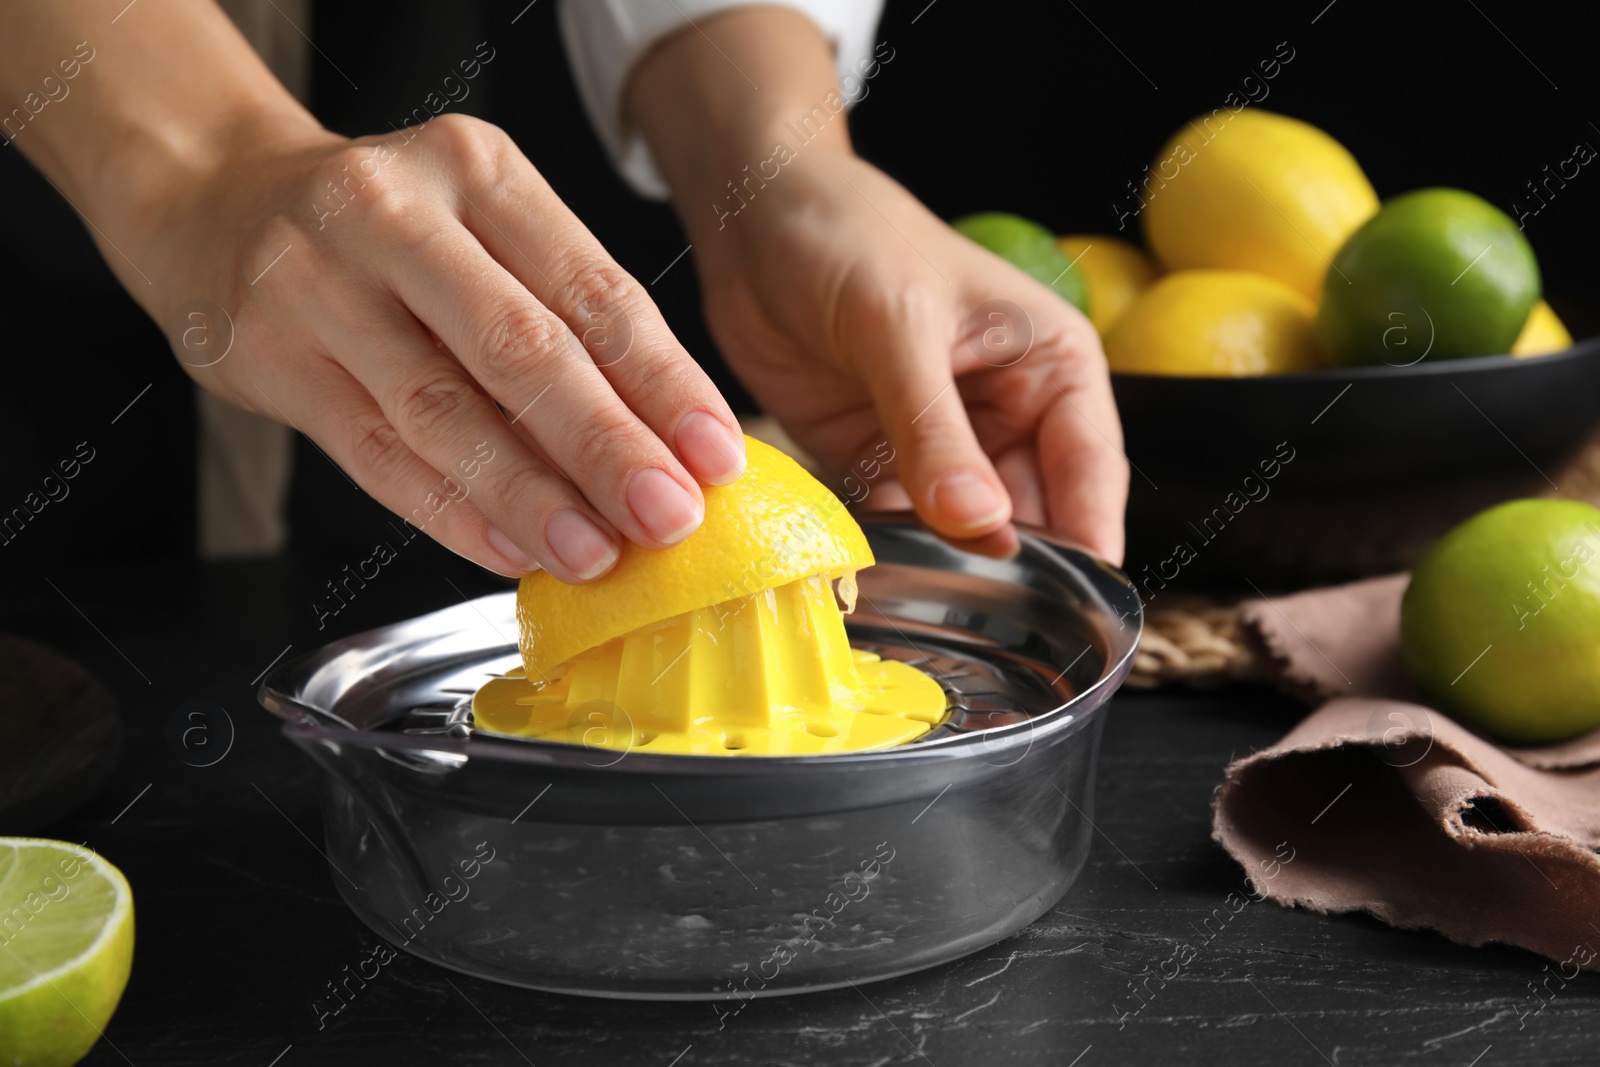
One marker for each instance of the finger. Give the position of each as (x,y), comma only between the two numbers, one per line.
(886,495)
(1018,468)
(904,342)
(348,426)
(532,364)
(1080,449)
(539,518)
(998,544)
(526,227)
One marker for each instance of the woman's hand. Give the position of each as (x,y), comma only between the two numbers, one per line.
(871,329)
(866,324)
(425,308)
(420,304)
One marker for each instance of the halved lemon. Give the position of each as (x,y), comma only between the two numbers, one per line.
(729,643)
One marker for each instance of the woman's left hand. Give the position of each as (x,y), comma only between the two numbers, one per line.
(916,365)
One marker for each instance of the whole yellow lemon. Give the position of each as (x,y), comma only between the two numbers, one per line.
(1542,334)
(1115,270)
(1254,191)
(1215,323)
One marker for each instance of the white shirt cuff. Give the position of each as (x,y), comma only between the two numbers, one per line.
(604,38)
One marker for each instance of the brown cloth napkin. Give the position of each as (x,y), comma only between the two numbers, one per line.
(1377,803)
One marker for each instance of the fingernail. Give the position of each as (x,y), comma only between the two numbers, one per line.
(580,545)
(662,506)
(502,544)
(969,501)
(712,452)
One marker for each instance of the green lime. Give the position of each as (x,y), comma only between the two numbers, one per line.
(1499,624)
(1437,273)
(1026,244)
(66,944)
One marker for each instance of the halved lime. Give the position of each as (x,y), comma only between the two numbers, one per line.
(66,944)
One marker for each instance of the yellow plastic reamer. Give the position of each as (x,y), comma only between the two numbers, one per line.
(771,674)
(651,658)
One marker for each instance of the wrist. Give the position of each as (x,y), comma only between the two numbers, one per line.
(756,180)
(157,109)
(717,139)
(753,143)
(153,168)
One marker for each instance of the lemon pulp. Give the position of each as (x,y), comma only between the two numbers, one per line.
(771,673)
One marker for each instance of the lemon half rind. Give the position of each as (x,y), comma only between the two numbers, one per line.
(775,525)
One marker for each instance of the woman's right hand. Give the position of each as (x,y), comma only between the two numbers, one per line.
(424,307)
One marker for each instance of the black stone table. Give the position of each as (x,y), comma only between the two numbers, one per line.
(240,928)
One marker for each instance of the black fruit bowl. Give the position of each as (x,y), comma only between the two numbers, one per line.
(1368,465)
